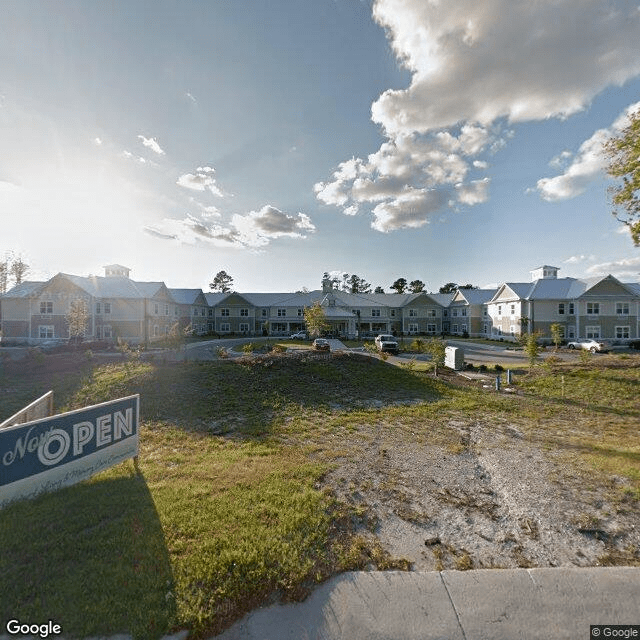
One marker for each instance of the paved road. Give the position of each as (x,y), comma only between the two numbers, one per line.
(487,604)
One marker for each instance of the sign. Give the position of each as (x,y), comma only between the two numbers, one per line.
(40,408)
(55,452)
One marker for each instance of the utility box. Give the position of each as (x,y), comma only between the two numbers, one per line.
(454,358)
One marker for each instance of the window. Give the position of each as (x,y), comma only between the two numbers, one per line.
(264,313)
(485,312)
(46,307)
(499,310)
(445,312)
(224,313)
(593,332)
(156,332)
(45,331)
(571,311)
(431,328)
(106,331)
(282,313)
(413,327)
(244,313)
(561,308)
(463,312)
(97,308)
(225,327)
(156,311)
(244,327)
(107,307)
(279,327)
(413,313)
(454,328)
(431,313)
(454,313)
(463,328)
(622,308)
(513,309)
(393,313)
(593,309)
(484,328)
(210,312)
(375,313)
(512,330)
(300,313)
(622,332)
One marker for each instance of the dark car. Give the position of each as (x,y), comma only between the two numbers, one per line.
(320,344)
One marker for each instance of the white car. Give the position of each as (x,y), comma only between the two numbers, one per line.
(301,335)
(387,343)
(589,345)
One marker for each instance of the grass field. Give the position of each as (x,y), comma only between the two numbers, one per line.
(229,509)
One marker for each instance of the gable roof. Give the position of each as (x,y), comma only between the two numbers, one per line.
(23,290)
(476,296)
(186,296)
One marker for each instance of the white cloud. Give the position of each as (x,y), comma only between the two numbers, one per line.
(191,97)
(253,230)
(258,228)
(587,165)
(625,269)
(151,143)
(98,141)
(481,61)
(476,65)
(201,180)
(575,259)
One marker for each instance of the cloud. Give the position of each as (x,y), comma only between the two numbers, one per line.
(98,141)
(201,180)
(465,87)
(190,96)
(625,269)
(482,61)
(253,230)
(131,156)
(151,143)
(258,228)
(587,166)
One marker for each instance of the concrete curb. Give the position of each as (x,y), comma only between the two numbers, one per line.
(487,604)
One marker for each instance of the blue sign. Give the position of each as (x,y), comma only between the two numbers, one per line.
(60,450)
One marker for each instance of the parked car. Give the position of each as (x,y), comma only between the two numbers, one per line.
(590,345)
(301,335)
(387,343)
(321,344)
(635,344)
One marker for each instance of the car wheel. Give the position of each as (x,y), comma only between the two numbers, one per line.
(572,346)
(593,349)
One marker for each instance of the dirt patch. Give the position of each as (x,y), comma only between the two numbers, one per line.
(493,499)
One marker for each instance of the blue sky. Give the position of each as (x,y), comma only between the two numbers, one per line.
(279,140)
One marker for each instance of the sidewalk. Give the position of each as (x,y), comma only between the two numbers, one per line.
(486,604)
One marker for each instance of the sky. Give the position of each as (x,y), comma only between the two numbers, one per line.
(440,141)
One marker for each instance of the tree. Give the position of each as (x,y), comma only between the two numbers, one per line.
(557,331)
(4,275)
(315,319)
(356,284)
(467,286)
(400,285)
(450,287)
(532,348)
(77,318)
(378,289)
(222,282)
(438,350)
(18,269)
(624,162)
(416,286)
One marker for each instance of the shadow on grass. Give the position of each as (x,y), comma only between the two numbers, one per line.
(91,558)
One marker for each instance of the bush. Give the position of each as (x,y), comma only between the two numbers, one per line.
(498,368)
